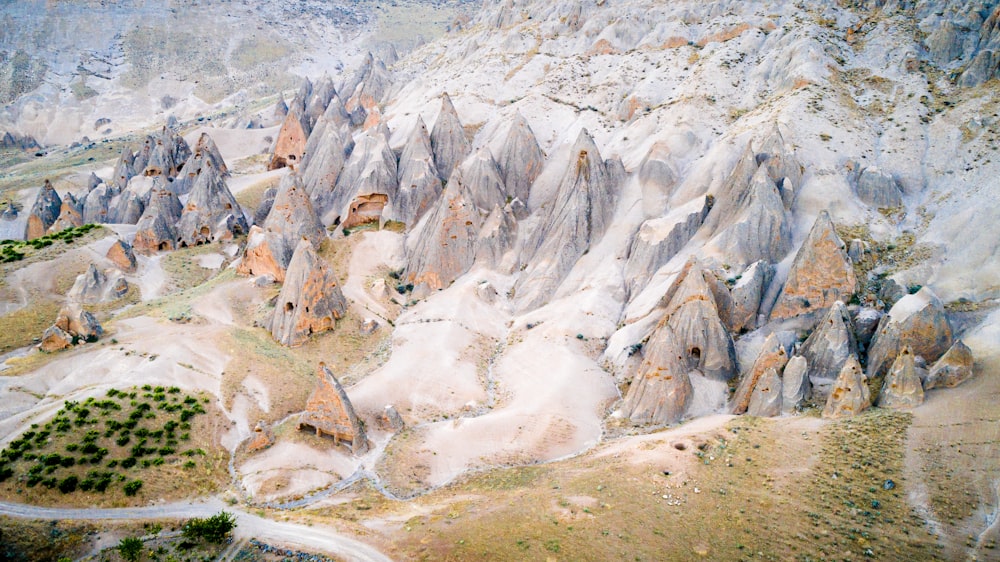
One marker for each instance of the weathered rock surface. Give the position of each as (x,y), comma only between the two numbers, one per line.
(746,296)
(329,412)
(660,239)
(326,153)
(952,369)
(205,154)
(850,395)
(765,401)
(55,339)
(263,437)
(878,188)
(575,219)
(310,300)
(917,321)
(658,179)
(520,160)
(901,389)
(89,287)
(44,212)
(97,204)
(772,357)
(371,170)
(292,218)
(821,274)
(120,253)
(367,88)
(448,139)
(124,170)
(290,144)
(211,213)
(419,182)
(69,215)
(780,161)
(828,347)
(79,323)
(264,207)
(795,385)
(758,228)
(689,341)
(155,230)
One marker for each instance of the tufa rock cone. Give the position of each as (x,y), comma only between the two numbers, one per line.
(829,346)
(310,300)
(521,159)
(448,139)
(155,230)
(773,357)
(419,182)
(850,395)
(211,213)
(44,212)
(329,412)
(901,389)
(122,256)
(917,321)
(952,369)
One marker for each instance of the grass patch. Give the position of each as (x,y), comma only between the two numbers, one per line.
(26,325)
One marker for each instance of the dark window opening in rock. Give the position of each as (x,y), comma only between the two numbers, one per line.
(291,157)
(307,309)
(162,247)
(289,307)
(229,206)
(205,231)
(696,352)
(680,446)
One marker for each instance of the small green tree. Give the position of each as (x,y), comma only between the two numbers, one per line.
(213,529)
(132,488)
(130,548)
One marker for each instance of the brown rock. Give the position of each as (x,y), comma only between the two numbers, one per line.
(262,438)
(122,256)
(850,395)
(773,357)
(901,389)
(821,274)
(55,339)
(291,143)
(765,402)
(310,301)
(329,412)
(952,369)
(917,321)
(44,212)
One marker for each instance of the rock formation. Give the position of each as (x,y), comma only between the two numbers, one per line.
(264,207)
(120,253)
(660,239)
(292,218)
(772,357)
(206,154)
(657,177)
(795,385)
(291,143)
(850,395)
(746,295)
(689,341)
(211,213)
(419,182)
(821,274)
(44,212)
(310,300)
(124,170)
(72,326)
(329,412)
(917,321)
(828,347)
(952,369)
(520,160)
(765,401)
(97,205)
(155,230)
(758,228)
(90,287)
(781,164)
(901,389)
(371,170)
(878,188)
(69,215)
(326,153)
(573,221)
(448,139)
(367,88)
(263,437)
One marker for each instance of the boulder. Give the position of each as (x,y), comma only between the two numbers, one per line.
(310,300)
(952,369)
(79,323)
(772,357)
(391,420)
(329,412)
(917,321)
(262,438)
(795,386)
(448,139)
(44,212)
(660,239)
(821,274)
(901,389)
(211,213)
(520,160)
(765,402)
(573,221)
(89,287)
(419,184)
(120,253)
(55,339)
(866,320)
(97,205)
(878,188)
(828,347)
(850,395)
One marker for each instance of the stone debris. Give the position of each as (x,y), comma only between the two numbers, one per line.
(952,369)
(72,326)
(329,412)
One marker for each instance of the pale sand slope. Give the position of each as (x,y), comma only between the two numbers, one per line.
(376,250)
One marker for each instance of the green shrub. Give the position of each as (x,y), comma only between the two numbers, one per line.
(130,548)
(68,484)
(132,488)
(213,529)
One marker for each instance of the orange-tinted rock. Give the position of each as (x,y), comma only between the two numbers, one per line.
(901,389)
(329,412)
(952,369)
(262,438)
(850,395)
(821,274)
(917,321)
(365,209)
(69,216)
(121,255)
(291,144)
(55,339)
(310,300)
(773,357)
(44,212)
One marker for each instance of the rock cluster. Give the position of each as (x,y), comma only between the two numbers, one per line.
(329,412)
(73,325)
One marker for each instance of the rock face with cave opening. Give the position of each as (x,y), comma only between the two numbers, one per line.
(155,230)
(44,212)
(211,213)
(329,412)
(291,143)
(310,300)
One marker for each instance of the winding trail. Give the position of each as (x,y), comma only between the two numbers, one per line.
(248,526)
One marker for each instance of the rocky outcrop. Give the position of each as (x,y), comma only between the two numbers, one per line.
(821,274)
(162,154)
(206,154)
(901,389)
(657,177)
(850,395)
(917,321)
(310,300)
(367,88)
(984,67)
(520,159)
(573,221)
(97,205)
(746,295)
(262,438)
(448,139)
(155,230)
(690,341)
(89,287)
(660,239)
(828,347)
(44,212)
(878,188)
(211,213)
(73,325)
(370,170)
(129,206)
(290,144)
(776,156)
(124,170)
(419,181)
(264,207)
(468,223)
(120,253)
(772,357)
(69,215)
(765,401)
(757,228)
(326,154)
(329,412)
(292,218)
(795,385)
(952,369)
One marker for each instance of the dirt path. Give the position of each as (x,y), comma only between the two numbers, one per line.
(248,526)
